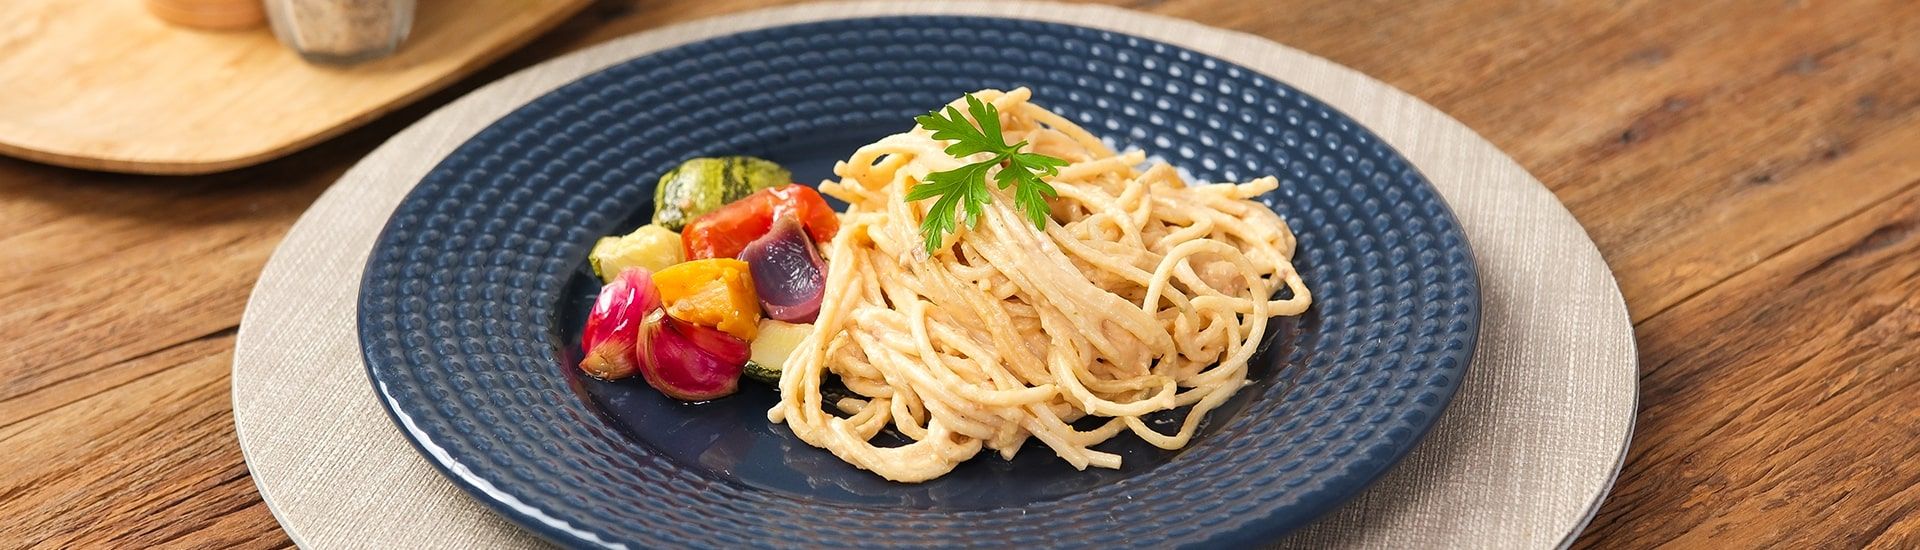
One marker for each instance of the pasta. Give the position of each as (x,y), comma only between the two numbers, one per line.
(1142,294)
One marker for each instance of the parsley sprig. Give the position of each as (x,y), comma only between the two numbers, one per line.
(966,187)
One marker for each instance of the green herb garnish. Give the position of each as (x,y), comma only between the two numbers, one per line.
(966,186)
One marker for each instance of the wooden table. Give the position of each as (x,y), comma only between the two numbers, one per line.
(1750,169)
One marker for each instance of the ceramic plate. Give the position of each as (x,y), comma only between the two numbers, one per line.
(473,298)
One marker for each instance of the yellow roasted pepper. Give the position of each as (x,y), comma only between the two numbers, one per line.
(715,292)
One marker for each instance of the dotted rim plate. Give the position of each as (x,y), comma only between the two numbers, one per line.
(461,302)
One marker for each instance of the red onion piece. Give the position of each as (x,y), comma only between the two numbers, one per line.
(690,362)
(787,272)
(614,323)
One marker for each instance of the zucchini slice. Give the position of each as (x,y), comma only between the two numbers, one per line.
(702,185)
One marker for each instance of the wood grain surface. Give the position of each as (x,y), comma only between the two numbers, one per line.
(1750,169)
(105,85)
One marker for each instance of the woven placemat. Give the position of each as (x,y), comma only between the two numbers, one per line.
(1521,459)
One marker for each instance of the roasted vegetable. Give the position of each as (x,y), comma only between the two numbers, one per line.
(652,247)
(715,292)
(608,339)
(690,362)
(787,272)
(773,346)
(725,232)
(702,185)
(763,373)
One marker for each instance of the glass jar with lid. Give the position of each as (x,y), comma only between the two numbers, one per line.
(341,31)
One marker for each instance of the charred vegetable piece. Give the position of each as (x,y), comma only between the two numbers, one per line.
(805,204)
(652,247)
(787,272)
(715,292)
(773,346)
(702,185)
(615,322)
(725,232)
(690,362)
(760,372)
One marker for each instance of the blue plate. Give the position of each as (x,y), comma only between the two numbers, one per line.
(473,298)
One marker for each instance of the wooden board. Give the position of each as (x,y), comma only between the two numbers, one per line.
(104,85)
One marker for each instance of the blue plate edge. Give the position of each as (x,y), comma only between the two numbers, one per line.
(419,439)
(1273,530)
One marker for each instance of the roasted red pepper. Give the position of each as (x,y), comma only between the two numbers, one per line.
(725,232)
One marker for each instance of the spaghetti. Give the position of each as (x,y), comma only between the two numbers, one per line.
(1142,294)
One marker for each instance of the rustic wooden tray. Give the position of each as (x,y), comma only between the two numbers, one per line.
(104,85)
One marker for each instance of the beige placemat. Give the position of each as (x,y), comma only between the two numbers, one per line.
(1522,458)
